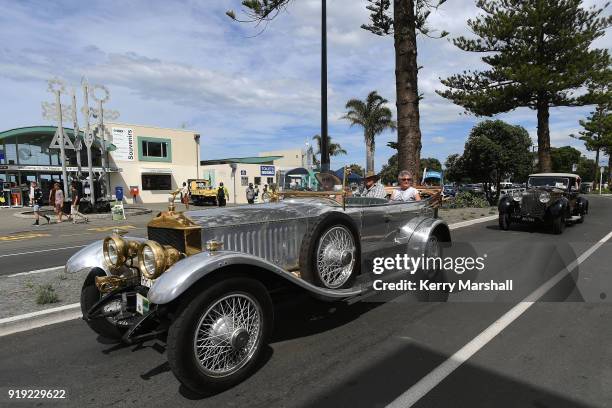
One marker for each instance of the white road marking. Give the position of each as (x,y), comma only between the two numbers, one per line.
(43,250)
(471,222)
(55,268)
(427,383)
(41,318)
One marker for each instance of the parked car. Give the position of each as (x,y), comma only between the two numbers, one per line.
(206,280)
(449,190)
(550,198)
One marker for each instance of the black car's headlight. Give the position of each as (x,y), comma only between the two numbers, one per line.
(154,259)
(544,197)
(517,195)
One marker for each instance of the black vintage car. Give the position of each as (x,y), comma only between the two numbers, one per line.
(550,198)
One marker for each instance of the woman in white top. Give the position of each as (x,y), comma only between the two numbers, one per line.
(406,192)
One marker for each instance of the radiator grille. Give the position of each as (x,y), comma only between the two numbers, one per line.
(531,206)
(167,236)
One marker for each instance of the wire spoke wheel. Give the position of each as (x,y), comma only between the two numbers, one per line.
(228,334)
(335,256)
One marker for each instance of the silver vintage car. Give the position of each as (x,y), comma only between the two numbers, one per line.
(205,281)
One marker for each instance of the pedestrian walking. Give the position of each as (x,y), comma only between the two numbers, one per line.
(185,195)
(222,195)
(37,199)
(74,205)
(250,194)
(56,200)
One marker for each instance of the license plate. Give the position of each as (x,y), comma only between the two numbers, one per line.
(530,219)
(142,304)
(146,282)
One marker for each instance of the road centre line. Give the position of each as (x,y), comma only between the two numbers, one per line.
(438,374)
(43,250)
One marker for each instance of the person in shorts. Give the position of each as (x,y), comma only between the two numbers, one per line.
(74,205)
(37,200)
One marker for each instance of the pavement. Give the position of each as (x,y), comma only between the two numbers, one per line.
(502,351)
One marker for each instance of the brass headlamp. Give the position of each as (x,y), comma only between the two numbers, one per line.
(154,258)
(118,250)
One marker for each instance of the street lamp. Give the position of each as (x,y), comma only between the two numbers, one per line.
(324,136)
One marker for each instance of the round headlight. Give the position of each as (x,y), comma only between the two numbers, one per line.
(544,197)
(115,250)
(517,195)
(151,259)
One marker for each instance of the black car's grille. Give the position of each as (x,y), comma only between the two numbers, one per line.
(531,206)
(168,236)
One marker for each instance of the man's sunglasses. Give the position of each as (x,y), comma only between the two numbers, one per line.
(405,179)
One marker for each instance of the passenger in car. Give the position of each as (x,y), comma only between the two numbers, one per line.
(405,192)
(372,188)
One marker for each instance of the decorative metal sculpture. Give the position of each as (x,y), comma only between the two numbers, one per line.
(78,143)
(88,138)
(55,111)
(100,130)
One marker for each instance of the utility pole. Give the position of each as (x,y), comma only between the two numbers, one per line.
(324,136)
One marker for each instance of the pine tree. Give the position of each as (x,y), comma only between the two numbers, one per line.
(540,55)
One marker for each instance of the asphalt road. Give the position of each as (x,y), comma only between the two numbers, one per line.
(556,354)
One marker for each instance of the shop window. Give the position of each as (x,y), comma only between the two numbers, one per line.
(244,181)
(270,180)
(257,181)
(156,182)
(153,149)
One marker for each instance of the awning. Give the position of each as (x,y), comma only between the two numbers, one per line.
(155,171)
(242,160)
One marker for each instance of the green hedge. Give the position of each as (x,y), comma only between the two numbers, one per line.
(466,199)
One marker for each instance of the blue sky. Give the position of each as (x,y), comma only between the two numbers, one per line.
(175,63)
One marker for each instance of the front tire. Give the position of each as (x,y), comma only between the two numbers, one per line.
(504,221)
(558,224)
(89,296)
(218,335)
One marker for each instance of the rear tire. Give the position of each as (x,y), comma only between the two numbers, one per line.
(433,249)
(330,254)
(212,346)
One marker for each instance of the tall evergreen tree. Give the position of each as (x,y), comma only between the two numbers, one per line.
(409,18)
(597,133)
(540,56)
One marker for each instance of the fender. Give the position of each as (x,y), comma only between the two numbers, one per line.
(92,256)
(558,207)
(185,273)
(506,205)
(417,231)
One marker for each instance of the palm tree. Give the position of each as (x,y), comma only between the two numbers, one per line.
(374,117)
(334,148)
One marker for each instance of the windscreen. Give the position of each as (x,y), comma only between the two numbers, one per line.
(557,182)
